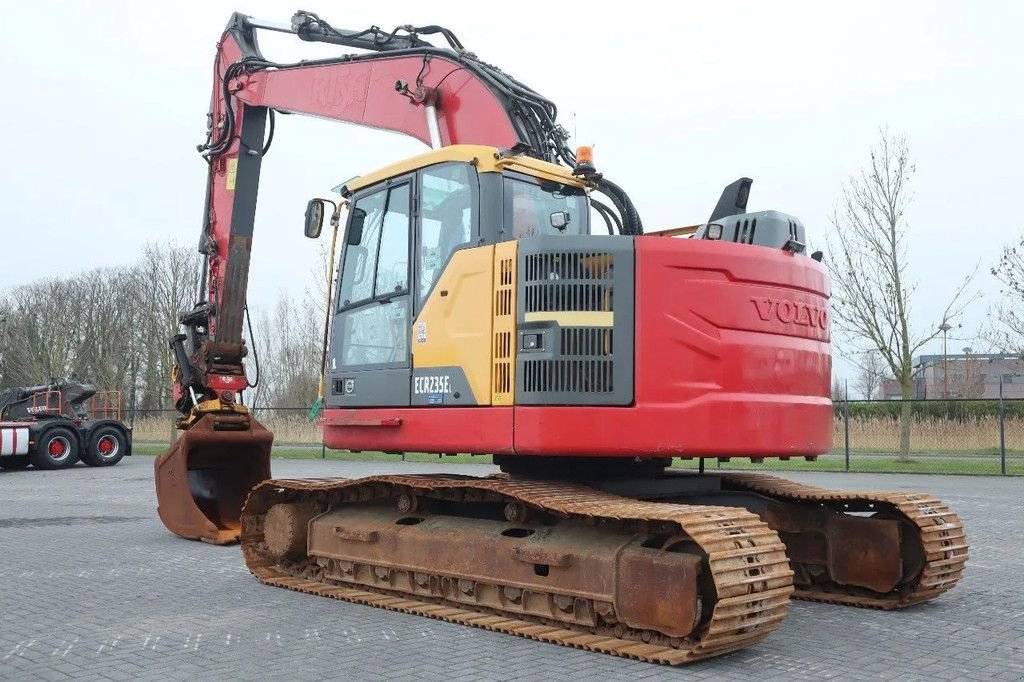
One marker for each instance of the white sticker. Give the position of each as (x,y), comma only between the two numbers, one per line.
(334,363)
(421,332)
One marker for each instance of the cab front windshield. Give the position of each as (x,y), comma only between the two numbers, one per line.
(537,207)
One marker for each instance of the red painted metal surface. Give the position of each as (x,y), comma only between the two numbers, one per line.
(732,359)
(364,93)
(220,199)
(360,418)
(483,430)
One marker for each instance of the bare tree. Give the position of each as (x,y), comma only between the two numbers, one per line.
(871,372)
(167,277)
(872,299)
(109,326)
(838,389)
(43,330)
(289,347)
(1007,329)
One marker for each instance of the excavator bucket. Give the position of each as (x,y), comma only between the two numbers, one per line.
(202,480)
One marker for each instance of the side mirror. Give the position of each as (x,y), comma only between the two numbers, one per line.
(355,227)
(314,218)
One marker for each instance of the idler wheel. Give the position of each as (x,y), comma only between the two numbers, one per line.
(284,530)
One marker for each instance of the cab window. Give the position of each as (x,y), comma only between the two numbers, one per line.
(534,207)
(447,204)
(378,265)
(373,301)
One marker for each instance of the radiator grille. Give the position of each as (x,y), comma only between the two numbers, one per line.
(568,281)
(586,341)
(568,376)
(563,285)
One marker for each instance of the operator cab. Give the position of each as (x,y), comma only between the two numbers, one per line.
(466,194)
(405,223)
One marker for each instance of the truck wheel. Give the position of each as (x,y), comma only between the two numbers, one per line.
(106,447)
(14,463)
(57,449)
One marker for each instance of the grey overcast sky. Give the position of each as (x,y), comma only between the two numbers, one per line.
(104,102)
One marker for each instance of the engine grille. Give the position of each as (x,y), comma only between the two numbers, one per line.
(586,341)
(568,376)
(568,281)
(575,321)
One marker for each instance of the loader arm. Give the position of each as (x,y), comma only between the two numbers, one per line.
(438,95)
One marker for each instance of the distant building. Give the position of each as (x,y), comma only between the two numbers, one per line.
(967,375)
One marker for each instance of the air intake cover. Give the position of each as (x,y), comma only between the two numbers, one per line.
(575,321)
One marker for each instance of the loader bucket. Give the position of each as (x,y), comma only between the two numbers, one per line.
(202,480)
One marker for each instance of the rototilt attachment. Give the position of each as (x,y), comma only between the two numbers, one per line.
(203,479)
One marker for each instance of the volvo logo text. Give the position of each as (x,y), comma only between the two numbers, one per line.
(791,312)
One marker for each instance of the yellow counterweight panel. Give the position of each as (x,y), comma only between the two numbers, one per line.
(504,379)
(456,321)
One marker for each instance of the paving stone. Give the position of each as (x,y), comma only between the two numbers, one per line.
(95,588)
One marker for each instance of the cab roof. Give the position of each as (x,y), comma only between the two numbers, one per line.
(486,159)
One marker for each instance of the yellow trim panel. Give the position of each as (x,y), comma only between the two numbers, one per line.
(486,159)
(540,169)
(454,327)
(576,318)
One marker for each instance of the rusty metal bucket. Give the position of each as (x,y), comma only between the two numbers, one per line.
(202,480)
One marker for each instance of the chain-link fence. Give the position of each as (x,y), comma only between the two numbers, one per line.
(946,436)
(963,436)
(291,426)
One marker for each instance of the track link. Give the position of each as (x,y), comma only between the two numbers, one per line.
(751,576)
(940,531)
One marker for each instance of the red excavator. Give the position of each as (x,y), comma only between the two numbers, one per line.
(498,295)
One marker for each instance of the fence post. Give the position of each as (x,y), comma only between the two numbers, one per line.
(846,421)
(1002,430)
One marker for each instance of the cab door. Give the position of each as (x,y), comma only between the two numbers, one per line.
(368,362)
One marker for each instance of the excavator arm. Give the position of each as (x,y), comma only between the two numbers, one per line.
(435,95)
(402,83)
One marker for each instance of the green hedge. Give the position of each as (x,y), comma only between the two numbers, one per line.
(933,409)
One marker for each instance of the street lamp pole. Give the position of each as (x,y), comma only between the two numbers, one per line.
(944,327)
(966,392)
